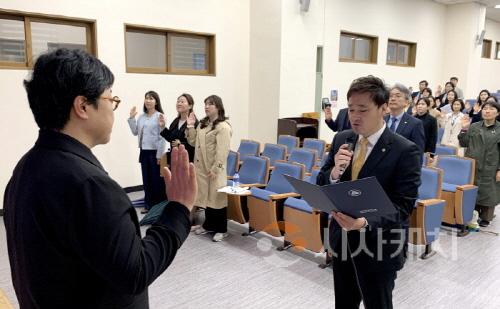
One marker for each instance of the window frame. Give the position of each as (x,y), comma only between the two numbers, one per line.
(488,50)
(412,53)
(373,47)
(28,17)
(169,33)
(497,51)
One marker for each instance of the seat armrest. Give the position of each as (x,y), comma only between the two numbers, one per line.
(429,202)
(251,185)
(283,196)
(466,187)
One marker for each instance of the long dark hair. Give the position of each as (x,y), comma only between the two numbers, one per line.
(155,96)
(446,98)
(217,101)
(479,96)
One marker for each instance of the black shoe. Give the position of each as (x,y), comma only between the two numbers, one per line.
(484,223)
(144,211)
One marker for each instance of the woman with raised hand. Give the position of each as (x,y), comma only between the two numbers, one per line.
(152,147)
(211,140)
(453,124)
(175,134)
(482,140)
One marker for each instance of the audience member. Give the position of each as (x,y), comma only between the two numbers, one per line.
(460,93)
(482,140)
(453,125)
(400,122)
(152,147)
(429,123)
(341,123)
(212,140)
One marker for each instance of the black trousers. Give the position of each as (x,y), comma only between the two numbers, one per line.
(154,186)
(485,213)
(375,288)
(215,220)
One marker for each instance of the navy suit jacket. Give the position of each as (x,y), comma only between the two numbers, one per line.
(341,123)
(395,162)
(412,129)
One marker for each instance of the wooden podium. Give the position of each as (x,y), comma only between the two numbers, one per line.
(301,127)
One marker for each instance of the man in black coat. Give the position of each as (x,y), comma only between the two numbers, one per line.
(368,252)
(340,123)
(72,233)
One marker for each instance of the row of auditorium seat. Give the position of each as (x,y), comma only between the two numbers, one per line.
(446,196)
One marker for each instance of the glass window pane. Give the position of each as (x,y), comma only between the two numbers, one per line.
(346,47)
(498,51)
(189,53)
(48,37)
(362,50)
(146,50)
(391,52)
(403,51)
(12,47)
(486,49)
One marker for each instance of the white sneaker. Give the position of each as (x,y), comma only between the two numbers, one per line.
(219,236)
(200,231)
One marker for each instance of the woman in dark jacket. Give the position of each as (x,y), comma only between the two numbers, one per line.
(175,134)
(475,112)
(429,122)
(482,140)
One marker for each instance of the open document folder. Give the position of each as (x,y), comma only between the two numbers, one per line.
(359,198)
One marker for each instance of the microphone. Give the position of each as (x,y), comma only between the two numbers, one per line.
(350,147)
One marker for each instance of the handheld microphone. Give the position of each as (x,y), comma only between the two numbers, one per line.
(350,147)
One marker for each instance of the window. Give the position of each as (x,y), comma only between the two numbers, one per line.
(497,51)
(486,53)
(401,53)
(24,36)
(153,50)
(358,48)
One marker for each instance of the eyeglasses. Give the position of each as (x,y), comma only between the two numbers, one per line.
(115,101)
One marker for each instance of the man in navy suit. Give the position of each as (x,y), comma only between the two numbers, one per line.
(341,123)
(368,252)
(400,122)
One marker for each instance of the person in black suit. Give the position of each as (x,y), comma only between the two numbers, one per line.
(429,123)
(341,123)
(73,235)
(176,133)
(367,252)
(400,122)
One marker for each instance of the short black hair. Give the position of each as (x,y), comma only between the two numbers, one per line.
(454,78)
(493,104)
(370,84)
(429,90)
(426,101)
(60,76)
(451,84)
(425,82)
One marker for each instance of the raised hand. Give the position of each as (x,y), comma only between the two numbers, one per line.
(191,120)
(465,122)
(133,112)
(477,107)
(328,113)
(181,180)
(161,121)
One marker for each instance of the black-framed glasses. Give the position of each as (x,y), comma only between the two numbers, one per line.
(115,101)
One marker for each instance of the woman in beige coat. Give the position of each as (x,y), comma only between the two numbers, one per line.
(453,125)
(211,141)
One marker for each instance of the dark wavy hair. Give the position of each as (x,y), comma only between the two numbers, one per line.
(446,97)
(155,96)
(60,76)
(217,101)
(370,84)
(479,96)
(462,104)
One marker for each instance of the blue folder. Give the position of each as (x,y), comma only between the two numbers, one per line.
(358,198)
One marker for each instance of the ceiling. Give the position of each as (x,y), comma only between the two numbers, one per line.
(491,12)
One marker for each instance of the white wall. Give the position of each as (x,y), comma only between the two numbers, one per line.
(265,54)
(415,21)
(227,19)
(490,68)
